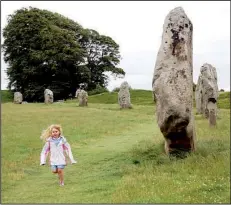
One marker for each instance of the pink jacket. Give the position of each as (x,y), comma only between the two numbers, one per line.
(57,149)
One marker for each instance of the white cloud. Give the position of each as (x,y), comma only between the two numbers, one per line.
(137,27)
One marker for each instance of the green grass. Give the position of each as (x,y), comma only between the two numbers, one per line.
(6,96)
(224,100)
(120,157)
(138,97)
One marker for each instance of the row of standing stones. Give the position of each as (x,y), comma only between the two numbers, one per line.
(172,86)
(82,96)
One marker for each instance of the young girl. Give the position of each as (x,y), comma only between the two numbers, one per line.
(56,144)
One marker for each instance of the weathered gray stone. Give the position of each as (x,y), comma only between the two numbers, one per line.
(77,93)
(206,93)
(18,98)
(124,96)
(48,96)
(173,83)
(212,114)
(198,96)
(83,98)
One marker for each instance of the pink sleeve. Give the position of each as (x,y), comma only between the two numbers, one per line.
(44,153)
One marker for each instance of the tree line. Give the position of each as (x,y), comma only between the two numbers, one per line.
(44,49)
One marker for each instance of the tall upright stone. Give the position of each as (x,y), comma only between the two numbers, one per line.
(18,98)
(124,96)
(48,96)
(198,96)
(206,93)
(173,83)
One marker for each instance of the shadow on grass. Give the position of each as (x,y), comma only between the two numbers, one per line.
(147,152)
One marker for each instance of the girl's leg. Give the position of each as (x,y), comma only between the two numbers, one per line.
(54,169)
(61,176)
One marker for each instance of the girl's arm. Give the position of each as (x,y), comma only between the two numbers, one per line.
(67,148)
(44,153)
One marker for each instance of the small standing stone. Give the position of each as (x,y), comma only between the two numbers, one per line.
(212,117)
(83,98)
(206,93)
(124,96)
(18,98)
(77,93)
(48,96)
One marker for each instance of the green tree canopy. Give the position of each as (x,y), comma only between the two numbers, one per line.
(102,56)
(47,50)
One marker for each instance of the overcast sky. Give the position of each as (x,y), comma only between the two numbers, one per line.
(137,27)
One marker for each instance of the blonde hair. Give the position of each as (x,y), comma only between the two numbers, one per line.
(47,132)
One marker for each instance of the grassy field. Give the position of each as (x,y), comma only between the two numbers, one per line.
(6,96)
(119,152)
(138,97)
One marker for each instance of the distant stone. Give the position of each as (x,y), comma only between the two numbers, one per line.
(77,93)
(212,114)
(24,102)
(206,93)
(124,96)
(83,98)
(48,96)
(173,83)
(18,98)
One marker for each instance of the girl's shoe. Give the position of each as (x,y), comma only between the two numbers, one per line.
(61,183)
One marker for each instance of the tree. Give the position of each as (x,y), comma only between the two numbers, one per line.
(47,50)
(42,52)
(102,56)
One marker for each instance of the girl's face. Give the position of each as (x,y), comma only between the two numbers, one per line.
(55,133)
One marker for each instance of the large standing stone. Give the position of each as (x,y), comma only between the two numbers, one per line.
(83,98)
(124,96)
(18,98)
(173,83)
(206,93)
(48,96)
